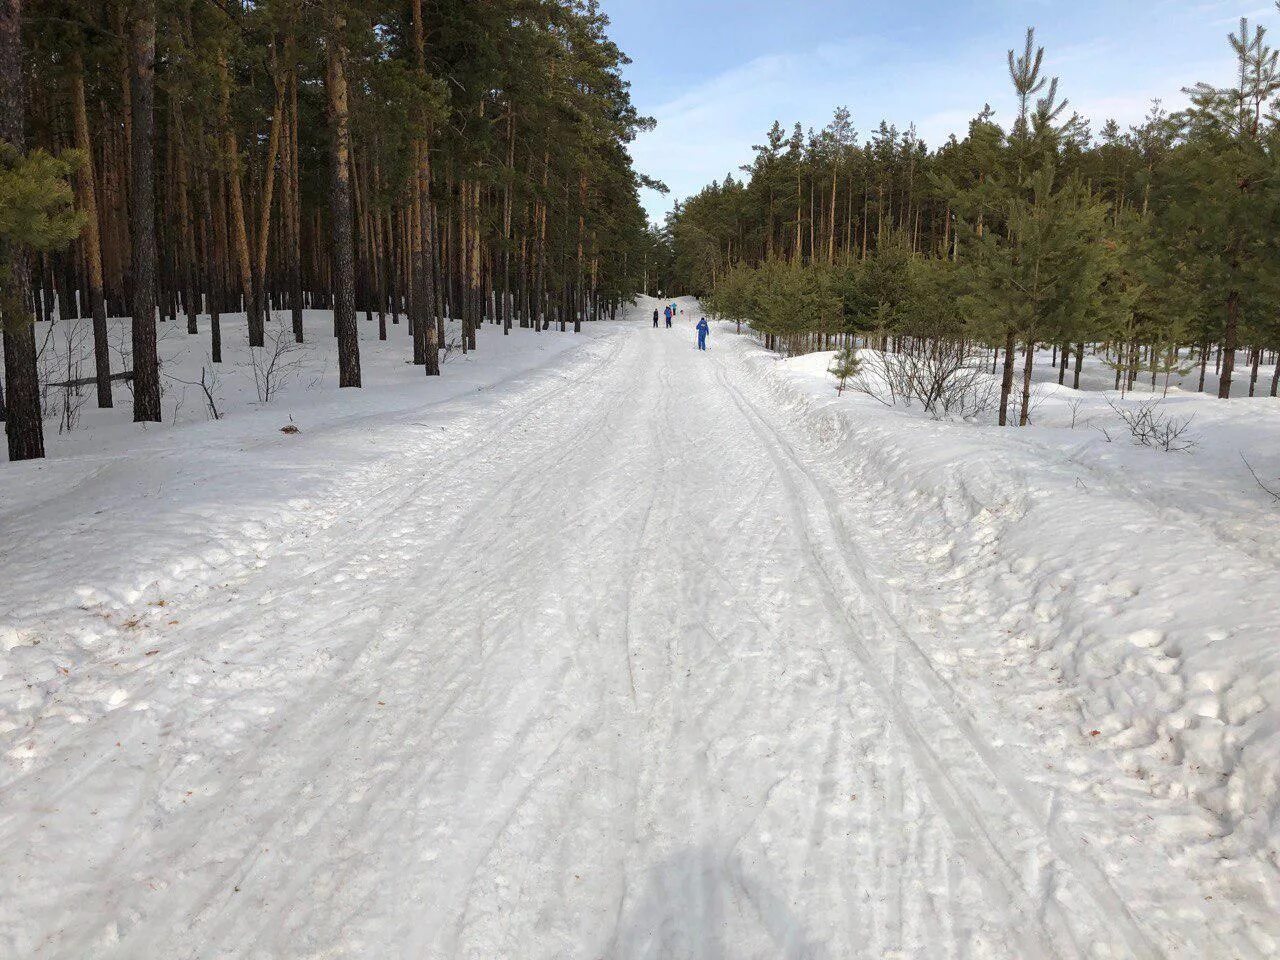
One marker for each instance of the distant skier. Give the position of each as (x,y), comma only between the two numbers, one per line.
(655,318)
(668,320)
(703,330)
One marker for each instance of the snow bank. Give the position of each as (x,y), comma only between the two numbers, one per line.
(1145,585)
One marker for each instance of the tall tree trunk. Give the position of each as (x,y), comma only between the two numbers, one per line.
(92,238)
(146,366)
(23,423)
(1024,415)
(421,323)
(344,307)
(506,220)
(1229,344)
(831,219)
(472,316)
(294,215)
(191,295)
(426,332)
(257,332)
(582,203)
(280,79)
(1006,381)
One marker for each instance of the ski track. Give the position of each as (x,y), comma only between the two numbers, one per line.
(613,666)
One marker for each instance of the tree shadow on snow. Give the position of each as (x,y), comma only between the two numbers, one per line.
(703,904)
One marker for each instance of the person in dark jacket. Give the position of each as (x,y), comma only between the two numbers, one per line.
(703,330)
(655,318)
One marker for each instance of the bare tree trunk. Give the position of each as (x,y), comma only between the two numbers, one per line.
(506,221)
(23,422)
(92,237)
(257,333)
(1024,415)
(472,313)
(419,319)
(269,182)
(146,365)
(1006,381)
(1229,345)
(426,332)
(215,269)
(344,307)
(191,293)
(294,215)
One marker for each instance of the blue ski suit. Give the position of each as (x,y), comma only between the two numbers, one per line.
(703,330)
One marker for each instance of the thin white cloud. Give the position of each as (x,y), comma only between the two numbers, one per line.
(709,129)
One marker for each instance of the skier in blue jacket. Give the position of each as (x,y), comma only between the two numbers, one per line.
(703,330)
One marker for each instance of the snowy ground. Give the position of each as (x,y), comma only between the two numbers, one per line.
(605,647)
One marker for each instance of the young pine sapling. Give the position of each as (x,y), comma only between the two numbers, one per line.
(845,365)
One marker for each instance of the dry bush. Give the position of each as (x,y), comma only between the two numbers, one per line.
(1150,427)
(939,376)
(209,383)
(274,364)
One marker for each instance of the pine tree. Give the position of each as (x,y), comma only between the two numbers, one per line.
(505,192)
(1221,192)
(844,367)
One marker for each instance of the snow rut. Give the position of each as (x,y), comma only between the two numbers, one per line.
(979,817)
(902,586)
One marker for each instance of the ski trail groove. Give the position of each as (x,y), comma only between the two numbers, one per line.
(962,810)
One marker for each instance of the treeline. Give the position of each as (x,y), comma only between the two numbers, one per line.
(178,160)
(1158,245)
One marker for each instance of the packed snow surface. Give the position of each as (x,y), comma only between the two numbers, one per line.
(603,647)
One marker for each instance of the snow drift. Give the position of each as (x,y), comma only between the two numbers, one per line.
(1145,586)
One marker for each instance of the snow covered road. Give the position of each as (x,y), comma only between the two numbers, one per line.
(604,663)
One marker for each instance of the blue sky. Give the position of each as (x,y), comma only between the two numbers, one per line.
(716,73)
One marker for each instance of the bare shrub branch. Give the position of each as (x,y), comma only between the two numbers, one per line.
(1272,491)
(209,382)
(1149,427)
(941,378)
(274,364)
